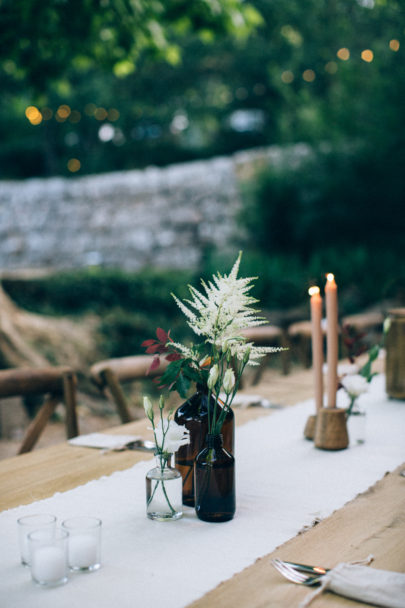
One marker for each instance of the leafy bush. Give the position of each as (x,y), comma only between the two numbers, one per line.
(122,332)
(364,278)
(342,198)
(131,306)
(339,211)
(99,290)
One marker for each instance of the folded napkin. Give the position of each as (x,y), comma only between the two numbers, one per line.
(243,401)
(364,584)
(103,441)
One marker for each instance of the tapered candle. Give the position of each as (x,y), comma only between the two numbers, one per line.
(332,337)
(317,344)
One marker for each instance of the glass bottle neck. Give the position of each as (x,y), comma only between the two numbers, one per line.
(163,460)
(214,441)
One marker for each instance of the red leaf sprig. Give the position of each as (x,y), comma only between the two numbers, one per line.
(352,340)
(160,347)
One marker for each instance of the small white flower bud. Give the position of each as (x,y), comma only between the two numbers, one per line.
(229,381)
(247,355)
(148,407)
(213,377)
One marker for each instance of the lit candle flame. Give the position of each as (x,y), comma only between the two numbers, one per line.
(313,290)
(330,277)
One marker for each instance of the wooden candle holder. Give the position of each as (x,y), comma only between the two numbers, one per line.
(331,429)
(309,431)
(395,361)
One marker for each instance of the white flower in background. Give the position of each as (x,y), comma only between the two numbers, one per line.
(345,369)
(213,377)
(354,384)
(170,436)
(229,381)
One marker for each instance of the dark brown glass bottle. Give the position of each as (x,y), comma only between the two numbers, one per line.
(194,415)
(215,482)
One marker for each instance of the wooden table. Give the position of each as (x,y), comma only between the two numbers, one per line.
(41,473)
(374,522)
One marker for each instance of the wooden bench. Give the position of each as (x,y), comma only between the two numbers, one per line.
(301,333)
(58,384)
(365,321)
(108,376)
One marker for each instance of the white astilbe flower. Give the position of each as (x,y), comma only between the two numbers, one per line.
(170,436)
(223,311)
(240,349)
(188,353)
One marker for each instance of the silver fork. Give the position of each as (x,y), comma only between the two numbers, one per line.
(294,576)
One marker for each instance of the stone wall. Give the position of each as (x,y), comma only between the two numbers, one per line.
(163,217)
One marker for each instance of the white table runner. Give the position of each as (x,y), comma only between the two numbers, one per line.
(283,484)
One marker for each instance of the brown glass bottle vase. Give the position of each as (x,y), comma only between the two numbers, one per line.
(193,414)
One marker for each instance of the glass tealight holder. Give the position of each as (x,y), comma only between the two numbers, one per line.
(357,424)
(48,552)
(28,524)
(84,546)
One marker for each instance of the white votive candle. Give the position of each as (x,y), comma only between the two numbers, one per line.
(48,564)
(84,545)
(83,551)
(28,524)
(48,550)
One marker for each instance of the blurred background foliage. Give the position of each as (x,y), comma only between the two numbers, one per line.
(129,306)
(90,86)
(120,84)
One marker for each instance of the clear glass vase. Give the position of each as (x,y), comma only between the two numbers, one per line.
(163,491)
(357,424)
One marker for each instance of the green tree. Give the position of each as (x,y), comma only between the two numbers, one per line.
(40,40)
(200,90)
